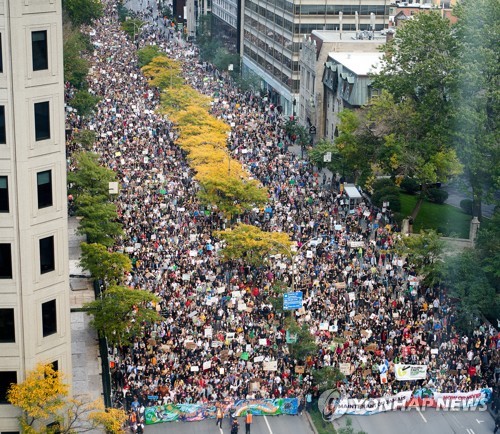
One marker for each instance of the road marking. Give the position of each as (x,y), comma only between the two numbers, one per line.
(268,426)
(421,415)
(479,421)
(220,429)
(457,421)
(470,431)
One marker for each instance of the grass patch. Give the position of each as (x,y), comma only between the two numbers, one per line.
(446,219)
(321,426)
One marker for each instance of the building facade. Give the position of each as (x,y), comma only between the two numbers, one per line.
(347,84)
(226,22)
(34,288)
(273,31)
(314,54)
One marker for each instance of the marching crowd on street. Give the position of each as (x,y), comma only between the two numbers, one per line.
(363,305)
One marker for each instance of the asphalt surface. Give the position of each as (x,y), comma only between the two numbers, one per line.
(261,425)
(429,421)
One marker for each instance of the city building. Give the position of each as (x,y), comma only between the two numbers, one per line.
(400,12)
(34,289)
(313,57)
(347,84)
(226,16)
(273,31)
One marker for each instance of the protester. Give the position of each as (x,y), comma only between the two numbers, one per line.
(364,305)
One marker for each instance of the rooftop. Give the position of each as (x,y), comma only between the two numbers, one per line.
(359,63)
(336,36)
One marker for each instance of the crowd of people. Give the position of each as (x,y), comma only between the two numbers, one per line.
(363,304)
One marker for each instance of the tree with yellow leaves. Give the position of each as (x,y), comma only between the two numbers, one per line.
(44,400)
(253,245)
(232,194)
(163,72)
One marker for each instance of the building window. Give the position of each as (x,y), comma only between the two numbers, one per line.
(55,365)
(49,318)
(7,378)
(5,261)
(4,194)
(42,121)
(44,188)
(39,50)
(47,263)
(3,138)
(7,328)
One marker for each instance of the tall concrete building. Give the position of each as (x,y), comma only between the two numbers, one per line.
(273,31)
(34,289)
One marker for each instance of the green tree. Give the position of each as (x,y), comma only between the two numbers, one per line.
(76,66)
(146,54)
(84,102)
(418,64)
(252,244)
(476,100)
(318,152)
(99,219)
(104,265)
(305,344)
(132,27)
(327,378)
(488,248)
(420,80)
(424,252)
(404,149)
(83,12)
(86,138)
(89,176)
(120,313)
(469,284)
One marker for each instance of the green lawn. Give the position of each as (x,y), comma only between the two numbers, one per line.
(446,219)
(321,426)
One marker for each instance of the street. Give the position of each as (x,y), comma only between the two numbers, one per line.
(430,421)
(261,425)
(408,422)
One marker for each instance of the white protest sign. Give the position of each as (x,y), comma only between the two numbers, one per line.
(270,366)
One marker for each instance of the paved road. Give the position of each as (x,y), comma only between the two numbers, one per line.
(430,421)
(261,425)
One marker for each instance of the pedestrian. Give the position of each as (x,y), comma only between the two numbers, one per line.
(235,426)
(248,422)
(220,415)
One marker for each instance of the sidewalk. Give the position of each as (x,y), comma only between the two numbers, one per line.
(84,347)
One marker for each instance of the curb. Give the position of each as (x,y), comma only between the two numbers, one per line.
(311,423)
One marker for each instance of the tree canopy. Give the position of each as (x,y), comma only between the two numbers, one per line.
(99,219)
(104,265)
(252,244)
(120,313)
(424,253)
(89,176)
(83,11)
(476,98)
